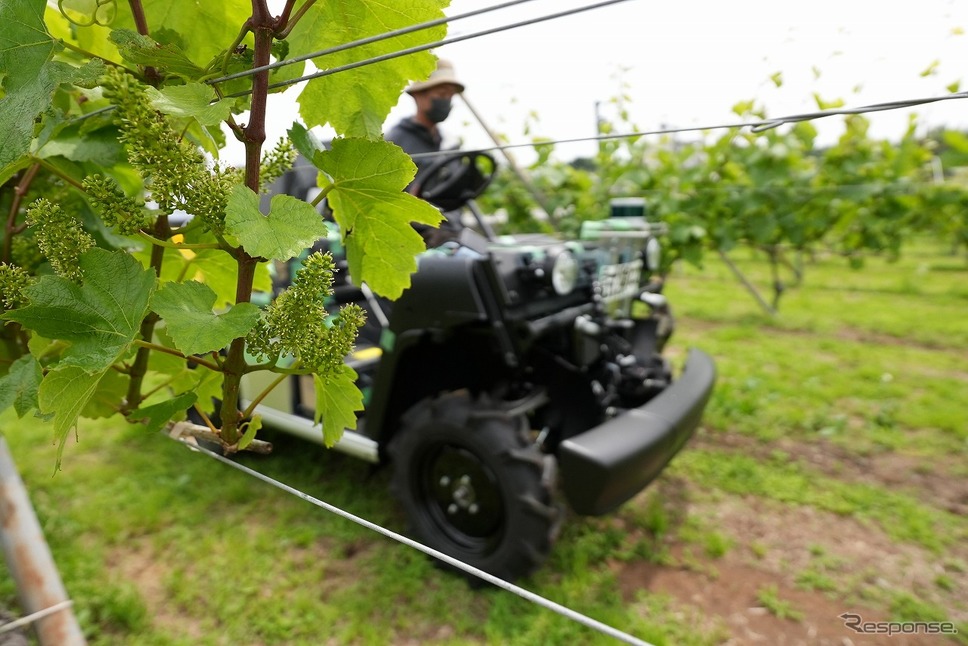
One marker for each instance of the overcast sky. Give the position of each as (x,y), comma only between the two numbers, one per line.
(686,63)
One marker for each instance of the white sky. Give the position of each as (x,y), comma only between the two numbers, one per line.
(687,62)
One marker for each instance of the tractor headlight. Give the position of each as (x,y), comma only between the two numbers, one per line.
(653,254)
(564,273)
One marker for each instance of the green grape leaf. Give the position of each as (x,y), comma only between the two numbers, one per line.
(192,100)
(219,271)
(368,202)
(357,102)
(106,400)
(187,309)
(209,389)
(29,77)
(179,376)
(155,417)
(18,388)
(142,50)
(101,318)
(251,428)
(25,45)
(65,392)
(291,226)
(100,147)
(337,400)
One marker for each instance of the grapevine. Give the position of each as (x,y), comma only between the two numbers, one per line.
(89,179)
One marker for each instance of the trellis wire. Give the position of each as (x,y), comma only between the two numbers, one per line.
(756,126)
(364,41)
(440,43)
(537,599)
(37,616)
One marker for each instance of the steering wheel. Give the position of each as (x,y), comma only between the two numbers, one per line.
(452,181)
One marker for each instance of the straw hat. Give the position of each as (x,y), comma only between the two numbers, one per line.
(443,74)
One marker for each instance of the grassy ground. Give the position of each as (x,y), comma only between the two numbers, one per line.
(828,477)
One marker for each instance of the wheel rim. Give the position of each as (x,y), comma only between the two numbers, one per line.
(462,496)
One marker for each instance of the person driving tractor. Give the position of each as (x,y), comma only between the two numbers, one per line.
(433,99)
(420,134)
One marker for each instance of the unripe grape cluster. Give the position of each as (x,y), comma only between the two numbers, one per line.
(276,162)
(60,237)
(13,285)
(296,322)
(116,208)
(175,172)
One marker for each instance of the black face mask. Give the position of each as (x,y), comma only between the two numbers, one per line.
(439,109)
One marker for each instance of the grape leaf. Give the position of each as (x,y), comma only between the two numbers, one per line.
(19,386)
(25,45)
(190,100)
(111,390)
(154,417)
(142,50)
(219,271)
(29,78)
(291,226)
(65,392)
(368,202)
(337,400)
(357,102)
(191,321)
(100,318)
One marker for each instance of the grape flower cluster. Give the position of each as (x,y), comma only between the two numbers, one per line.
(296,322)
(60,237)
(276,162)
(116,208)
(13,285)
(174,171)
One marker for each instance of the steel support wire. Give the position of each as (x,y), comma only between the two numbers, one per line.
(755,126)
(425,47)
(537,599)
(364,41)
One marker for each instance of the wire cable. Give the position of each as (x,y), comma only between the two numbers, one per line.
(564,611)
(365,41)
(755,126)
(440,43)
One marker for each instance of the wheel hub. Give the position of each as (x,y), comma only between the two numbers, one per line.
(462,494)
(466,494)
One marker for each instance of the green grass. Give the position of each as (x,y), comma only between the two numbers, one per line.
(160,546)
(769,597)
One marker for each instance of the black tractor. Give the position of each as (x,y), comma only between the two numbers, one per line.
(517,376)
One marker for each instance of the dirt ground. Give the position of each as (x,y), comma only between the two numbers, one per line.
(774,542)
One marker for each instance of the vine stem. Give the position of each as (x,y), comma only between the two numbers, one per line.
(160,348)
(261,24)
(265,393)
(141,23)
(286,26)
(147,331)
(67,178)
(18,195)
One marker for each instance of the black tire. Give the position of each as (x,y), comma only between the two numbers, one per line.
(474,486)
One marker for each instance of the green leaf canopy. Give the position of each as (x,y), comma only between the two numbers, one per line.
(291,226)
(100,318)
(337,399)
(375,215)
(191,321)
(29,78)
(357,102)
